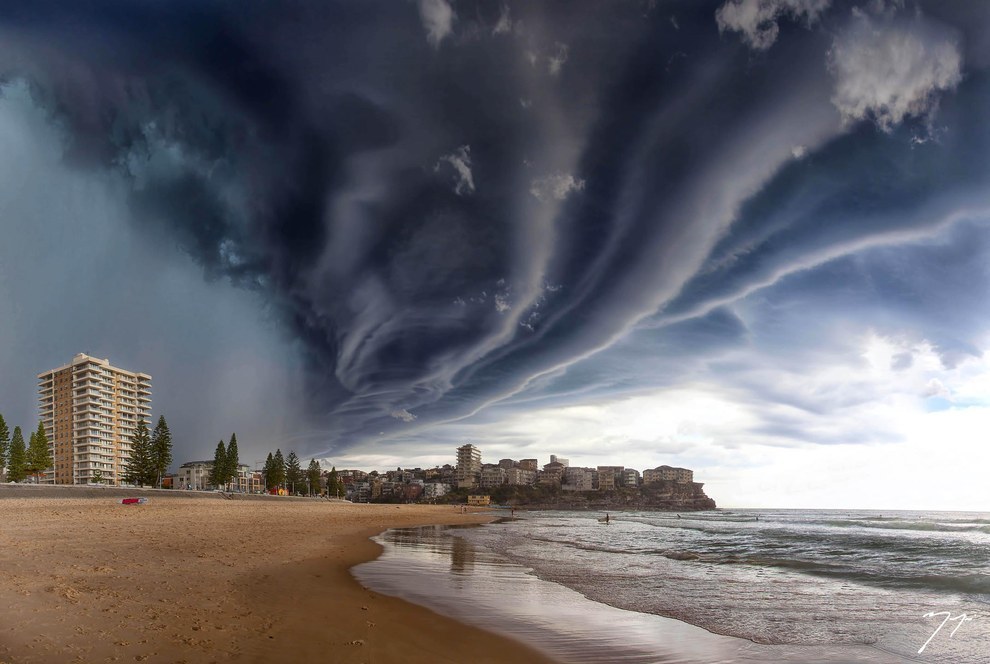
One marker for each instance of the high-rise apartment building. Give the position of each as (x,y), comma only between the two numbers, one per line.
(90,411)
(468,466)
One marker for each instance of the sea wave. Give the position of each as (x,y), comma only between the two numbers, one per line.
(898,524)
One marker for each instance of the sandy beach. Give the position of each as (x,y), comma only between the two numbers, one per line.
(209,580)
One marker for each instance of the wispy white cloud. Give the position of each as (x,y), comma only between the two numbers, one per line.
(403,414)
(888,70)
(757,20)
(438,19)
(557,60)
(557,186)
(504,23)
(460,161)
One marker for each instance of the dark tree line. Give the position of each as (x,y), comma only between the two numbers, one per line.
(151,454)
(287,473)
(225,462)
(335,485)
(23,460)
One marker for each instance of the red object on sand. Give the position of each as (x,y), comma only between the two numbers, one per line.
(133,501)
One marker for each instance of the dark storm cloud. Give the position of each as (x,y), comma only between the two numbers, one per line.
(452,205)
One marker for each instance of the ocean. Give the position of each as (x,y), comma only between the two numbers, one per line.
(718,586)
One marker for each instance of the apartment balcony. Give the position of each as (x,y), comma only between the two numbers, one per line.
(81,430)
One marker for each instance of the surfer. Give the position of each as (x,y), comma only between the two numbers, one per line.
(606,517)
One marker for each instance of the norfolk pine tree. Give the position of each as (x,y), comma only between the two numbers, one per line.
(4,444)
(332,480)
(161,449)
(293,472)
(218,473)
(17,459)
(279,466)
(313,476)
(38,458)
(28,466)
(269,472)
(140,468)
(231,458)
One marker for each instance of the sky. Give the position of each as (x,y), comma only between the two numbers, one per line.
(747,237)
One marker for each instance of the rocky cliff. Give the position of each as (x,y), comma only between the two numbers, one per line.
(664,495)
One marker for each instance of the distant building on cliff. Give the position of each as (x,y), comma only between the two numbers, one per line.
(468,466)
(520,476)
(609,477)
(552,473)
(668,473)
(529,464)
(90,411)
(579,479)
(630,477)
(492,476)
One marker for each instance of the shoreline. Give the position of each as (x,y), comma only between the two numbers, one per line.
(200,579)
(457,578)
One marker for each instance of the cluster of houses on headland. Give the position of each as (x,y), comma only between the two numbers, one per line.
(419,484)
(470,473)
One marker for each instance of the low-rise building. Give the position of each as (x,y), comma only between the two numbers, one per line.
(579,479)
(194,475)
(529,464)
(248,481)
(411,492)
(492,476)
(479,500)
(609,477)
(630,477)
(433,490)
(552,473)
(519,476)
(359,492)
(668,473)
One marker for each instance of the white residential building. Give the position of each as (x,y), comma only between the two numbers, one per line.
(468,466)
(90,411)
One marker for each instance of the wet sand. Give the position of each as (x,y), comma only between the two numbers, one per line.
(208,580)
(440,567)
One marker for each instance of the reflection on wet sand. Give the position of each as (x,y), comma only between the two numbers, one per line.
(434,567)
(461,556)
